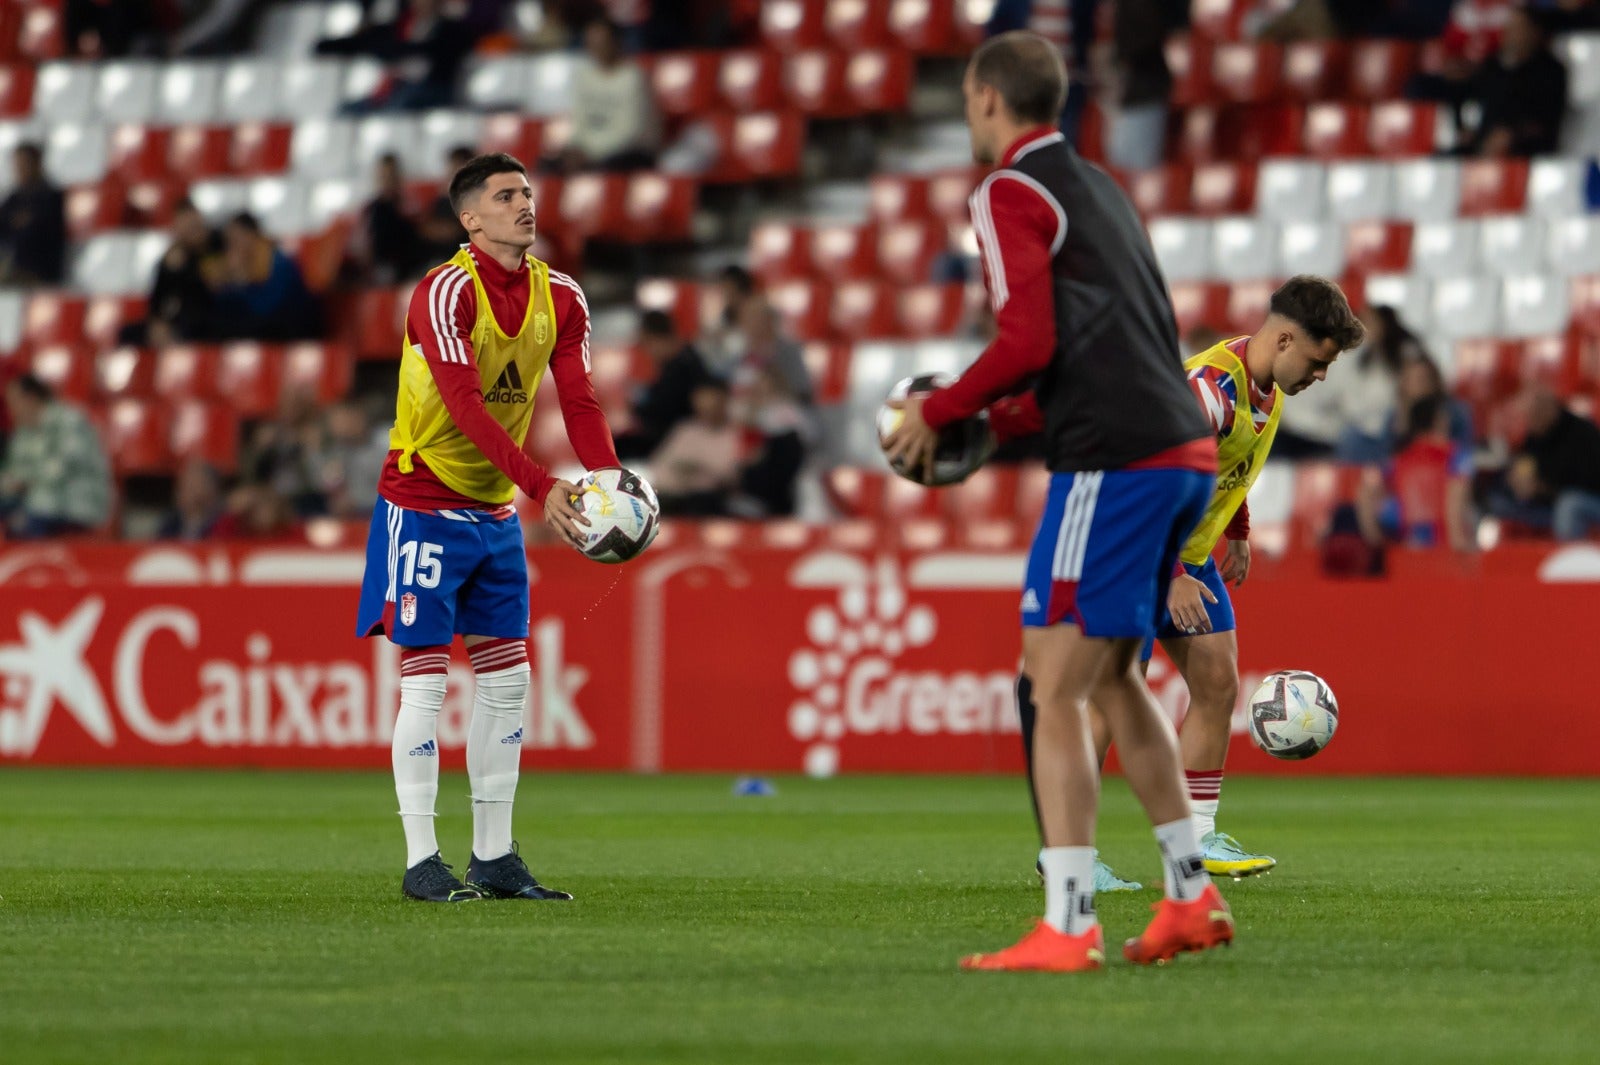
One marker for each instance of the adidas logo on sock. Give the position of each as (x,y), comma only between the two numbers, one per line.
(425,750)
(515,737)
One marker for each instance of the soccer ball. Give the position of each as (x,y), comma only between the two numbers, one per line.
(623,514)
(963,446)
(1293,714)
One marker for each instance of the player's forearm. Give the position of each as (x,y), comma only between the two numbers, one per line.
(1005,366)
(1015,417)
(1239,525)
(490,437)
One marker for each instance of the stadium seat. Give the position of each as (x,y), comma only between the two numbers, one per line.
(308,89)
(363,77)
(249,377)
(105,316)
(440,132)
(126,91)
(1446,249)
(378,323)
(190,91)
(138,152)
(1219,20)
(195,152)
(659,208)
(926,27)
(693,307)
(1315,70)
(1199,304)
(323,148)
(790,25)
(321,370)
(1573,247)
(828,363)
(94,208)
(1581,53)
(1244,248)
(854,491)
(856,25)
(260,148)
(208,431)
(124,373)
(13,314)
(1247,71)
(107,264)
(549,84)
(1311,248)
(765,145)
(378,135)
(685,83)
(1190,64)
(594,204)
(1248,302)
(1335,130)
(1183,247)
(283,206)
(878,81)
(1409,295)
(804,306)
(67,368)
(250,91)
(16,90)
(39,32)
(154,203)
(841,251)
(1427,190)
(289,30)
(813,83)
(186,371)
(863,310)
(896,196)
(64,92)
(907,251)
(1379,69)
(1483,368)
(52,318)
(1402,128)
(950,191)
(1493,186)
(1465,307)
(780,250)
(1585,303)
(220,198)
(1513,244)
(136,437)
(1556,187)
(1223,188)
(1357,191)
(1291,190)
(932,310)
(76,153)
(751,80)
(1162,190)
(1533,305)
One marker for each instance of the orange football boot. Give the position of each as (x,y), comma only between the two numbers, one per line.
(1199,924)
(1045,950)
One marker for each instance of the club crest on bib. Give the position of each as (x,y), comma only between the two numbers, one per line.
(541,327)
(408,609)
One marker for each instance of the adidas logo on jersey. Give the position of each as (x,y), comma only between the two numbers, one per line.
(425,750)
(515,738)
(508,389)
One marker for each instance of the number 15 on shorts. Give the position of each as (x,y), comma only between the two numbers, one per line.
(421,567)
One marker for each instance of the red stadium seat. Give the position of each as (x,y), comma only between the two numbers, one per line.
(16,89)
(137,438)
(841,252)
(858,24)
(1162,190)
(926,27)
(903,500)
(864,310)
(260,148)
(1247,72)
(10,25)
(378,323)
(67,368)
(828,364)
(1220,20)
(1319,487)
(751,80)
(1200,304)
(1200,135)
(1379,69)
(855,492)
(1189,61)
(186,371)
(1484,369)
(152,204)
(763,145)
(594,204)
(94,209)
(949,193)
(685,83)
(896,196)
(1247,305)
(53,318)
(106,315)
(40,34)
(321,370)
(1253,131)
(1585,303)
(139,153)
(788,25)
(198,151)
(693,307)
(613,375)
(908,250)
(249,377)
(813,82)
(804,306)
(1400,128)
(207,431)
(124,373)
(1493,186)
(989,493)
(1563,362)
(1315,70)
(1378,247)
(878,81)
(659,207)
(1336,130)
(1223,188)
(513,134)
(932,310)
(780,250)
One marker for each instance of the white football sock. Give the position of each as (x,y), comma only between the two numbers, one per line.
(494,757)
(1069,888)
(1205,816)
(415,755)
(1181,865)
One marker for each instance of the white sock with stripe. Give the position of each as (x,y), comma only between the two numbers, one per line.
(414,751)
(1069,889)
(494,742)
(1182,868)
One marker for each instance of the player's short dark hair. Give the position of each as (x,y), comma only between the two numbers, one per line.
(742,280)
(477,171)
(1027,71)
(247,222)
(658,323)
(1318,306)
(31,385)
(31,149)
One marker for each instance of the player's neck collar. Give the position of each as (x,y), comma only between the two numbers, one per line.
(1036,137)
(486,264)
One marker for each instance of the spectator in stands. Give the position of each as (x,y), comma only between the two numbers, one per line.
(1470,38)
(778,432)
(348,460)
(1365,390)
(761,344)
(669,399)
(1429,482)
(218,27)
(56,479)
(196,503)
(1520,93)
(1554,481)
(282,454)
(423,47)
(440,228)
(33,224)
(389,247)
(260,293)
(697,467)
(107,29)
(1421,379)
(1138,129)
(614,123)
(734,286)
(256,512)
(181,302)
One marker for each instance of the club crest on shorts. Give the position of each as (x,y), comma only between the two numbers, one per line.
(408,608)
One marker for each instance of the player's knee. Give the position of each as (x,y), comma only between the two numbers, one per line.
(1214,684)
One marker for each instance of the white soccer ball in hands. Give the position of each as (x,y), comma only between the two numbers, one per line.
(963,446)
(1293,714)
(623,514)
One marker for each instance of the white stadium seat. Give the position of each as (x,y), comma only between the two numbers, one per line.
(1243,248)
(251,89)
(279,204)
(64,92)
(1533,305)
(323,147)
(1291,190)
(293,29)
(1556,187)
(1182,247)
(1358,191)
(1573,247)
(1581,53)
(1466,307)
(1513,244)
(189,92)
(220,198)
(550,84)
(1445,249)
(874,369)
(442,131)
(75,153)
(105,265)
(1406,293)
(13,307)
(310,88)
(1311,248)
(497,83)
(328,200)
(377,135)
(362,77)
(127,91)
(1427,190)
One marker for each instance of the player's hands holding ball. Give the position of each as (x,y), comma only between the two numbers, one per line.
(917,451)
(561,512)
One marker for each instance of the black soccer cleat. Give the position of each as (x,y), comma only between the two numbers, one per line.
(507,877)
(430,880)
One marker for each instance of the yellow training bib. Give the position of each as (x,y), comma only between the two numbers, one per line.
(509,371)
(1240,454)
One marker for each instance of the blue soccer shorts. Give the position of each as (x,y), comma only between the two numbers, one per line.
(1220,612)
(1106,548)
(434,573)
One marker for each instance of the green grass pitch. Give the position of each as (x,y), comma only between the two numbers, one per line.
(205,917)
